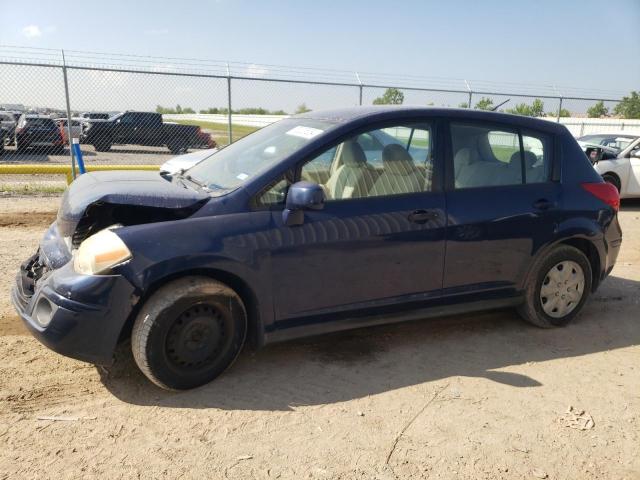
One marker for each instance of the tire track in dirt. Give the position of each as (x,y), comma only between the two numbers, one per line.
(27,219)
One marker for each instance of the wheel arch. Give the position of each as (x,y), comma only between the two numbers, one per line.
(616,178)
(584,243)
(255,332)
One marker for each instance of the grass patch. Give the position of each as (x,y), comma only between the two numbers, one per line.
(220,134)
(31,189)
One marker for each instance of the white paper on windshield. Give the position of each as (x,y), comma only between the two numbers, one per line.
(242,176)
(304,132)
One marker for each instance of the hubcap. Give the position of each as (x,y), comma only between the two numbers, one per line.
(196,337)
(562,289)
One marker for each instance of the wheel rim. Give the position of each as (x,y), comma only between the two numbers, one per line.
(562,289)
(196,337)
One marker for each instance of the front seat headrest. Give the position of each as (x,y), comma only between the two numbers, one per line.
(353,154)
(397,160)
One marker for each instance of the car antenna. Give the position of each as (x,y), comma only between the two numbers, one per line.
(498,106)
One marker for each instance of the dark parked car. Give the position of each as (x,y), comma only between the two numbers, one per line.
(143,128)
(3,137)
(38,131)
(322,222)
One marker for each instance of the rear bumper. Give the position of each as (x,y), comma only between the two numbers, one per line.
(79,316)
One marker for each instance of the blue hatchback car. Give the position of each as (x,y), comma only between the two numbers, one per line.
(321,222)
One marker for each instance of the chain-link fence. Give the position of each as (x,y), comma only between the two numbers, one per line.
(131,110)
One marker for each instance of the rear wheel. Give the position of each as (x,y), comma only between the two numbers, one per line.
(188,332)
(613,179)
(558,287)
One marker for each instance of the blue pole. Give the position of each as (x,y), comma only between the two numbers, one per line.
(78,155)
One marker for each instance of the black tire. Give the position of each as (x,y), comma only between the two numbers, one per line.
(613,179)
(188,332)
(1,147)
(532,309)
(20,147)
(102,146)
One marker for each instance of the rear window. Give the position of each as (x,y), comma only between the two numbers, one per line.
(41,122)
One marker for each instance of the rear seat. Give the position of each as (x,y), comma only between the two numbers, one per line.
(472,171)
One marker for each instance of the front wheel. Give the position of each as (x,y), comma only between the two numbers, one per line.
(188,332)
(558,287)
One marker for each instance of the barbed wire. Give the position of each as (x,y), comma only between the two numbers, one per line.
(268,71)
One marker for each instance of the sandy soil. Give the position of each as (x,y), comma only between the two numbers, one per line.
(469,397)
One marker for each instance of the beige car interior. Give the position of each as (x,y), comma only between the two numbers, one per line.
(475,164)
(351,176)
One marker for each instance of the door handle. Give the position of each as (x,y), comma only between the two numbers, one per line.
(542,204)
(422,216)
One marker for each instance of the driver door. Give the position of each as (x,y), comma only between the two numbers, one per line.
(369,250)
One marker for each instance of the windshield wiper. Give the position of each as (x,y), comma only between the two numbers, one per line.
(197,182)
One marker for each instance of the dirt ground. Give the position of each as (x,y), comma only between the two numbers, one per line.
(470,397)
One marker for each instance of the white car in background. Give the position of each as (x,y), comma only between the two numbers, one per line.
(619,160)
(183,162)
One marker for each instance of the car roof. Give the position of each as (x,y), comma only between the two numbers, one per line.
(382,112)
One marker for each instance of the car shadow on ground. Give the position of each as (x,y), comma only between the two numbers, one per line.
(349,365)
(630,205)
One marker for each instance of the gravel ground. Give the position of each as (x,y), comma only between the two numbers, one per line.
(467,397)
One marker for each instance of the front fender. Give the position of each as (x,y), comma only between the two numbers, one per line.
(225,246)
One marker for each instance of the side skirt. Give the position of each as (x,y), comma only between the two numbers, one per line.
(321,328)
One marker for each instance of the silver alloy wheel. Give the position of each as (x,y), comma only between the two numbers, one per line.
(562,289)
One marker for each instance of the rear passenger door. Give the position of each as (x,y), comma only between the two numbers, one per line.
(501,206)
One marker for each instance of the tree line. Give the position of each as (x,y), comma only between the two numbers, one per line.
(628,107)
(224,111)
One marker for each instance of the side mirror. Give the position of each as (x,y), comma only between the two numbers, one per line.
(302,196)
(636,153)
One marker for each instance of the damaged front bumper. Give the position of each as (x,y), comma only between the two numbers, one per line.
(80,316)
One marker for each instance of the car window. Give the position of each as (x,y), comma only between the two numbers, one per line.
(390,161)
(485,156)
(41,122)
(538,150)
(274,194)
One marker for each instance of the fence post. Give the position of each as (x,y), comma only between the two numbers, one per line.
(229,103)
(66,95)
(360,88)
(581,128)
(559,110)
(470,93)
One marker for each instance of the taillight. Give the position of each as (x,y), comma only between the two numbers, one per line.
(604,191)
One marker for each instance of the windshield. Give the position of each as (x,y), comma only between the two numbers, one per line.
(250,156)
(619,142)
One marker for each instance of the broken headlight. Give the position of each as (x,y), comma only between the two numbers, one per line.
(99,253)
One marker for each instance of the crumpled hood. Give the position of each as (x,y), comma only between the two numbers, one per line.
(124,188)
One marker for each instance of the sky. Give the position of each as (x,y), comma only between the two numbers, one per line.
(585,44)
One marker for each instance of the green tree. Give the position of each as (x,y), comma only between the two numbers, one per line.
(484,104)
(629,107)
(188,110)
(463,105)
(563,113)
(391,96)
(161,109)
(598,110)
(536,109)
(302,108)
